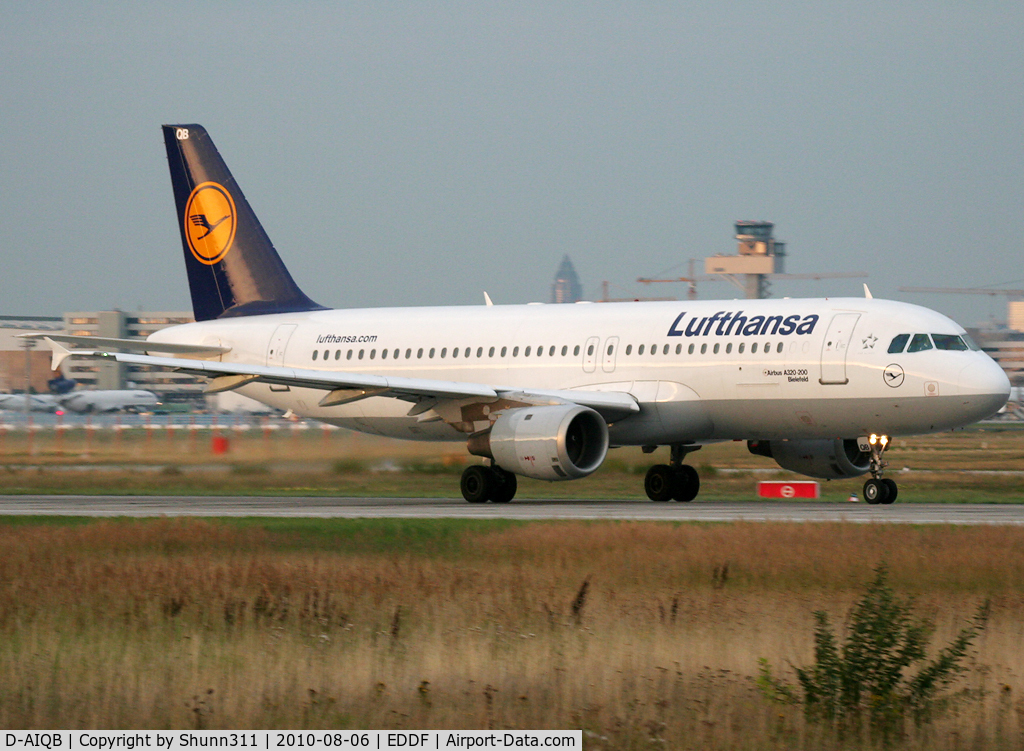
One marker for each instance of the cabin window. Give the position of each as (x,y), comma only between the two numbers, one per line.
(898,343)
(444,351)
(611,348)
(590,350)
(664,350)
(408,354)
(753,348)
(703,349)
(373,353)
(551,351)
(503,351)
(479,351)
(728,348)
(455,352)
(383,355)
(527,352)
(716,347)
(679,349)
(742,345)
(349,355)
(576,351)
(316,353)
(629,349)
(565,350)
(919,343)
(779,348)
(949,341)
(337,354)
(540,351)
(490,352)
(431,353)
(394,355)
(654,349)
(419,353)
(640,349)
(515,352)
(689,350)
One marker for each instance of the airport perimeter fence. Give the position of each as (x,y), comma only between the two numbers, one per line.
(238,437)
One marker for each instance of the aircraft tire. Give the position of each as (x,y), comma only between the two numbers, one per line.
(893,491)
(875,491)
(476,483)
(505,485)
(686,485)
(659,483)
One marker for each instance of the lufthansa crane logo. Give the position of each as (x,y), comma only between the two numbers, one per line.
(210,222)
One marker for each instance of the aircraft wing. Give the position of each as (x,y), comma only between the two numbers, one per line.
(342,387)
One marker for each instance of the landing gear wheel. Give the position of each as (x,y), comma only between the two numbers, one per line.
(660,483)
(893,491)
(476,483)
(505,485)
(687,484)
(876,491)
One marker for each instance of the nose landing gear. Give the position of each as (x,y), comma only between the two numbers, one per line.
(878,489)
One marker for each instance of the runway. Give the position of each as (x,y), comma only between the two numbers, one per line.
(433,508)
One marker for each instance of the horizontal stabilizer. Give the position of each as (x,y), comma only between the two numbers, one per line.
(132,345)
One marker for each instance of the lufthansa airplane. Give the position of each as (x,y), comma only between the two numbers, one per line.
(544,391)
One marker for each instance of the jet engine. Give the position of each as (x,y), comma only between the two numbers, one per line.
(827,459)
(559,442)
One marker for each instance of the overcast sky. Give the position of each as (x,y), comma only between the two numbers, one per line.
(420,153)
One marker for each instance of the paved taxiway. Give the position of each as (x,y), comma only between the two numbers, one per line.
(421,508)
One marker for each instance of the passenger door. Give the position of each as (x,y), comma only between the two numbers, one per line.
(834,348)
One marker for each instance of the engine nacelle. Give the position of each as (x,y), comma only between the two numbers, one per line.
(559,442)
(827,459)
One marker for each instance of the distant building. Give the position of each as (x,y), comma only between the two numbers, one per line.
(567,287)
(12,352)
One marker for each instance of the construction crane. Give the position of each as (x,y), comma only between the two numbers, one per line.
(967,291)
(1013,297)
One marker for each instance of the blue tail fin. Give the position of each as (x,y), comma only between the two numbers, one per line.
(233,269)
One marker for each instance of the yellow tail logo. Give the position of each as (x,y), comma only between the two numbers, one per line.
(210,222)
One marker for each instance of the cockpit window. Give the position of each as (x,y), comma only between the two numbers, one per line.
(919,343)
(971,344)
(949,341)
(898,343)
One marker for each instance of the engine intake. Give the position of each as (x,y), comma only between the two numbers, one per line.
(559,442)
(827,459)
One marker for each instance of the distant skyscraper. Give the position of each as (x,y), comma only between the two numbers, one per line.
(567,287)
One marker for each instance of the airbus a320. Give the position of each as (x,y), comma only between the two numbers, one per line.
(544,391)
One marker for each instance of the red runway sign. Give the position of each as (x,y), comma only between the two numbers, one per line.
(795,489)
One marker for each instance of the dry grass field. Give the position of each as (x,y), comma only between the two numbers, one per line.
(449,624)
(329,462)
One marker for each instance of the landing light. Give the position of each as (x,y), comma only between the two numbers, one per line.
(873,439)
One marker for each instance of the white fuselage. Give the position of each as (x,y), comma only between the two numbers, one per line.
(707,370)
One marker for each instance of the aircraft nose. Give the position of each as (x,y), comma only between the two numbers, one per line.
(987,383)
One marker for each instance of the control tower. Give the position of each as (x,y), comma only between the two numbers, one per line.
(759,255)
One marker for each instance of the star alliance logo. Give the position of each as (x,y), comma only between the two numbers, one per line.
(868,342)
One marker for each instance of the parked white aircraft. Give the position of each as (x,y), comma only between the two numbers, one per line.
(545,391)
(83,401)
(37,402)
(112,400)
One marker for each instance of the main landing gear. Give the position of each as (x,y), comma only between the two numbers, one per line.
(481,484)
(674,481)
(879,489)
